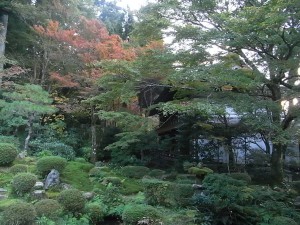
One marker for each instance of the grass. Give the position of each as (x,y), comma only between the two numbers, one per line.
(76,174)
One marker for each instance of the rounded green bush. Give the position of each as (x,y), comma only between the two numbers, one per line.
(47,163)
(281,220)
(135,171)
(18,168)
(20,213)
(23,182)
(158,192)
(113,180)
(200,172)
(132,214)
(49,208)
(72,200)
(8,153)
(157,173)
(241,176)
(99,171)
(96,212)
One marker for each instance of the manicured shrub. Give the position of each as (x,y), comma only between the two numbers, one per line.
(48,208)
(135,171)
(99,171)
(156,173)
(158,192)
(72,200)
(46,164)
(132,214)
(18,168)
(200,172)
(241,176)
(96,212)
(186,165)
(23,183)
(8,153)
(81,160)
(281,220)
(113,180)
(20,213)
(183,194)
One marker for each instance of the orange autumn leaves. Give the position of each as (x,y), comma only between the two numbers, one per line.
(90,40)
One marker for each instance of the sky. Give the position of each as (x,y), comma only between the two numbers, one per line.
(133,4)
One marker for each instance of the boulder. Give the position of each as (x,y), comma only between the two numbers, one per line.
(38,185)
(88,195)
(52,179)
(39,194)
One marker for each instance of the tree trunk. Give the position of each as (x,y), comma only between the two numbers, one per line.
(94,135)
(277,163)
(3,31)
(30,131)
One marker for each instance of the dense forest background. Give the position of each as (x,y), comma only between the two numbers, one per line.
(167,87)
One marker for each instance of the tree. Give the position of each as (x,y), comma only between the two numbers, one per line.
(264,37)
(25,106)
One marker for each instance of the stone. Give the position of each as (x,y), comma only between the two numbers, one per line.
(198,187)
(88,195)
(2,196)
(39,194)
(52,179)
(38,185)
(297,201)
(2,190)
(66,186)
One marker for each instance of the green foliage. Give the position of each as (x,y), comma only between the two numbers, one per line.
(72,200)
(134,213)
(182,194)
(99,171)
(135,171)
(95,211)
(9,139)
(18,168)
(55,147)
(241,176)
(19,213)
(156,173)
(296,186)
(281,220)
(23,183)
(8,153)
(5,178)
(113,180)
(200,172)
(112,198)
(231,201)
(77,174)
(131,186)
(158,192)
(186,165)
(48,208)
(45,164)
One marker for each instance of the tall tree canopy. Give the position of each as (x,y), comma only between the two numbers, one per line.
(263,37)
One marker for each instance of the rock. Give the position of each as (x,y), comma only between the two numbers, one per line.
(2,190)
(2,196)
(198,187)
(52,179)
(38,185)
(22,154)
(297,201)
(39,194)
(88,195)
(66,186)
